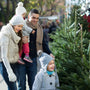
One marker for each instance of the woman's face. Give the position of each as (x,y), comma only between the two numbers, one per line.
(18,28)
(51,66)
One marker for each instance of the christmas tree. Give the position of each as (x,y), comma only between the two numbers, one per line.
(71,47)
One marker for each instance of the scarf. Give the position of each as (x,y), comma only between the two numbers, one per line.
(50,72)
(39,35)
(9,29)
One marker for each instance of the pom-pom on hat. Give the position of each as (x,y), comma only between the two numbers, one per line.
(20,9)
(44,58)
(16,20)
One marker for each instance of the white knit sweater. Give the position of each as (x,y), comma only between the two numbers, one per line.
(8,46)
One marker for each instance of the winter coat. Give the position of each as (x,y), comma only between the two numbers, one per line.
(33,48)
(26,29)
(33,41)
(43,81)
(9,51)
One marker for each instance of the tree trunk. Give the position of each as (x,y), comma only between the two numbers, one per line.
(7,12)
(25,2)
(1,12)
(13,6)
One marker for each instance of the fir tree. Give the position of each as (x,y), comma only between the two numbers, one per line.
(71,49)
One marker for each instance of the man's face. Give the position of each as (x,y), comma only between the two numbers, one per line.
(34,18)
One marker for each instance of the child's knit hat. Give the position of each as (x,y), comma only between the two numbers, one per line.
(44,58)
(20,9)
(16,20)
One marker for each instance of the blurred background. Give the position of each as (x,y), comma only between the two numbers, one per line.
(58,8)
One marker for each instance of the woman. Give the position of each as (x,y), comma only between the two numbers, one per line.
(10,46)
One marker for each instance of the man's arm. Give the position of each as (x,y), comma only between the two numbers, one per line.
(46,46)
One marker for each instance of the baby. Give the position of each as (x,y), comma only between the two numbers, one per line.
(20,10)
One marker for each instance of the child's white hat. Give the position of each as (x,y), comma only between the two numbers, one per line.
(20,9)
(16,20)
(44,58)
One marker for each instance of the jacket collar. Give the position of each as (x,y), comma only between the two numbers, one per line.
(14,36)
(50,75)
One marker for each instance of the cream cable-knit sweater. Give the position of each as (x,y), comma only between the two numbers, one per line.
(8,46)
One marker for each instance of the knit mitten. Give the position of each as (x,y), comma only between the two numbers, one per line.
(12,77)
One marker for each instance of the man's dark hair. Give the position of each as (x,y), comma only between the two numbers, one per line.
(34,11)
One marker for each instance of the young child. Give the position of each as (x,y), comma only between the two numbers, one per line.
(46,78)
(20,10)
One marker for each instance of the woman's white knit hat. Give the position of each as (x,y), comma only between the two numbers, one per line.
(20,9)
(16,20)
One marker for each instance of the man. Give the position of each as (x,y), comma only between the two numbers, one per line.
(36,43)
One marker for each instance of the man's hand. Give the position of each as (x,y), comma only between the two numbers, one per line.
(52,55)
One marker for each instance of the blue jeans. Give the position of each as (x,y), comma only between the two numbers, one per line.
(29,69)
(3,71)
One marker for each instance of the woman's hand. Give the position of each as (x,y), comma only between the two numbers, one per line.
(12,77)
